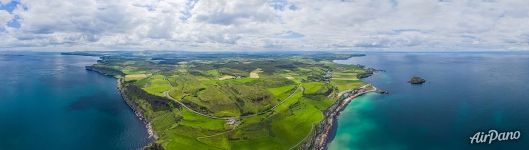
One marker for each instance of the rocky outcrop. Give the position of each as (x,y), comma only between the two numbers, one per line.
(379,91)
(416,80)
(321,134)
(153,146)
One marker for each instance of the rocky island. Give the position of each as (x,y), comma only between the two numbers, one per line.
(416,80)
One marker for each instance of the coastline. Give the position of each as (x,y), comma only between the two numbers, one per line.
(135,108)
(138,111)
(319,138)
(322,134)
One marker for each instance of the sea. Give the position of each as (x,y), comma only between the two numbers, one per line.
(465,93)
(49,101)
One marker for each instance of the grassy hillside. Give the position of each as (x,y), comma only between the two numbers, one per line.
(233,102)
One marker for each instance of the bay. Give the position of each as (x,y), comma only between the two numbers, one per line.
(465,93)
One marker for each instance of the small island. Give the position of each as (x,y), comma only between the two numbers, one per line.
(416,80)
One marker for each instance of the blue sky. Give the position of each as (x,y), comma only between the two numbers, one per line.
(382,25)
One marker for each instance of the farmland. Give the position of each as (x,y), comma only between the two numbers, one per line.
(231,101)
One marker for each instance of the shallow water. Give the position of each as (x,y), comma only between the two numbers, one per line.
(465,93)
(49,101)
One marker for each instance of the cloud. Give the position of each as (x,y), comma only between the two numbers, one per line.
(4,17)
(415,25)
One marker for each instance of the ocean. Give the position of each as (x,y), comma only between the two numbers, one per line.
(49,101)
(465,93)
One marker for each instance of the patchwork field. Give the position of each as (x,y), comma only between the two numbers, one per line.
(233,102)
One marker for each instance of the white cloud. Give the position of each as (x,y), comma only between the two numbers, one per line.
(4,18)
(272,24)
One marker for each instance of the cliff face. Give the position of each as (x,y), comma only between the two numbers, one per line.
(320,135)
(137,110)
(131,94)
(105,70)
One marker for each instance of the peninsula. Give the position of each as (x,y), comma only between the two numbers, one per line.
(234,100)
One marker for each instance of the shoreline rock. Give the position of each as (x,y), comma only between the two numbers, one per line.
(321,135)
(138,111)
(382,91)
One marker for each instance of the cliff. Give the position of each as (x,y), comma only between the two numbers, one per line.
(105,70)
(137,110)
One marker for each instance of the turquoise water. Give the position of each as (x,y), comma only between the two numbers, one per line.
(49,101)
(465,93)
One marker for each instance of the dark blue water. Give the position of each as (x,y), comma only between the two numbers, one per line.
(465,93)
(49,101)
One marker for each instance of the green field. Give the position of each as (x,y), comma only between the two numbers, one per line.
(212,102)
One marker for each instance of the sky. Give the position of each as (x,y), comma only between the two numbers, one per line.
(255,25)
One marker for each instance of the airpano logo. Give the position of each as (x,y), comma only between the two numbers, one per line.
(493,135)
